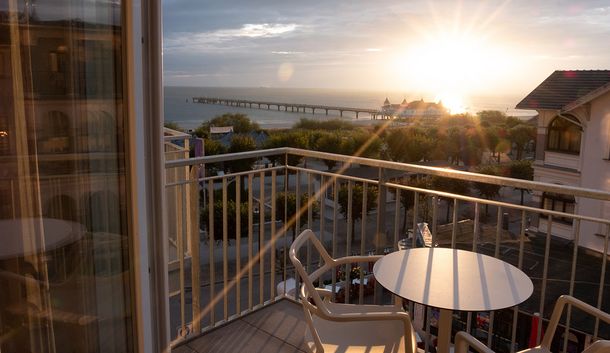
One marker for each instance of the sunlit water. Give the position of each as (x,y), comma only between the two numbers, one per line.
(180,109)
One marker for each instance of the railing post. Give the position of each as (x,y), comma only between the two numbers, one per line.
(195,262)
(381,210)
(381,226)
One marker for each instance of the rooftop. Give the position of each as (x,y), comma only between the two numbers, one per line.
(564,87)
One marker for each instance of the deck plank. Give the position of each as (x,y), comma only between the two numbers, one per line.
(278,328)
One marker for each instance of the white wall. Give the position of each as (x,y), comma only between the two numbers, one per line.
(596,170)
(593,165)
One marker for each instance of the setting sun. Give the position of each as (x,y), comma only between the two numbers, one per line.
(451,66)
(454,103)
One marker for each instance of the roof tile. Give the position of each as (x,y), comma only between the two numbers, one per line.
(564,87)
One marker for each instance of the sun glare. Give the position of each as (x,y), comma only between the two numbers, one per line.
(454,103)
(451,66)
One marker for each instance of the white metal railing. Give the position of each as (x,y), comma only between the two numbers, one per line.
(240,264)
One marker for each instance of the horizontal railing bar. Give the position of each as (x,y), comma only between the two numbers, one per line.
(457,174)
(224,157)
(230,175)
(444,172)
(454,196)
(181,136)
(403,187)
(334,175)
(498,203)
(253,171)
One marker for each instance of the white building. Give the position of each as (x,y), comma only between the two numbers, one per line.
(414,109)
(573,147)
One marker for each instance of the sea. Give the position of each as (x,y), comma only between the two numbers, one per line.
(180,109)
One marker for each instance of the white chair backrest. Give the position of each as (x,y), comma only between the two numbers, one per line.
(309,278)
(558,310)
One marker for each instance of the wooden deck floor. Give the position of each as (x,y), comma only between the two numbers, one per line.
(278,328)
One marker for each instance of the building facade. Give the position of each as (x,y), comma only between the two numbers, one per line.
(573,148)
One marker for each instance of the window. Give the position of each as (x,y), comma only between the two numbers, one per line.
(55,134)
(559,203)
(564,136)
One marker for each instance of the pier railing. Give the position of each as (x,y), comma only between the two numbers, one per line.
(291,107)
(236,229)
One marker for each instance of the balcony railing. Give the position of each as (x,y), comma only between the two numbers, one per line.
(226,266)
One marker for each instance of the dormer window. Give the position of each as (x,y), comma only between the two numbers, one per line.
(564,135)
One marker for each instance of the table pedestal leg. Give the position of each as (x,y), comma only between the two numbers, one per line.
(444,331)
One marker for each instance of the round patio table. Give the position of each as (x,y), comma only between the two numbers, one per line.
(451,279)
(15,234)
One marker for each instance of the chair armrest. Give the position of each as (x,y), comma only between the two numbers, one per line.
(324,293)
(601,346)
(353,259)
(464,340)
(558,311)
(369,316)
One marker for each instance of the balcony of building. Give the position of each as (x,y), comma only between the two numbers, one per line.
(232,287)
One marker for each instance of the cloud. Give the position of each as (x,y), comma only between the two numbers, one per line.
(243,42)
(260,30)
(286,52)
(221,39)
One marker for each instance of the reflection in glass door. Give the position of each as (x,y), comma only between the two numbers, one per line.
(65,277)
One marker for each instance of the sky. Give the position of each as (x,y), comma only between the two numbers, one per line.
(442,48)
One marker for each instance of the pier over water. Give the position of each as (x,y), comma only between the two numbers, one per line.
(374,114)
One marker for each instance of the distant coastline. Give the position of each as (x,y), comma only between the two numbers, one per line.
(180,109)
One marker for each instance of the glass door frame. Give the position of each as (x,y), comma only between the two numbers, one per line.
(145,169)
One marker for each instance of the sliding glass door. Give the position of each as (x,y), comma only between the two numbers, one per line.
(66,276)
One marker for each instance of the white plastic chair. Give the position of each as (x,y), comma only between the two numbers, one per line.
(346,328)
(545,344)
(463,340)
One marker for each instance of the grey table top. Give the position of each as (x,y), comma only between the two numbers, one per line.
(453,279)
(21,237)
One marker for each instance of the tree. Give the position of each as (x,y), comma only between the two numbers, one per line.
(172,125)
(520,135)
(511,121)
(521,169)
(408,145)
(492,139)
(407,197)
(212,148)
(330,142)
(292,138)
(451,144)
(488,191)
(492,117)
(231,219)
(357,202)
(457,120)
(241,143)
(450,185)
(240,122)
(289,217)
(471,147)
(328,125)
(362,143)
